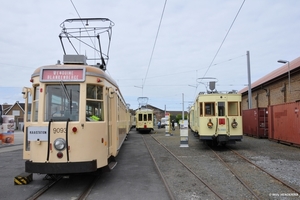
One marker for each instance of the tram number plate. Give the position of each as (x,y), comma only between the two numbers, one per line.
(38,133)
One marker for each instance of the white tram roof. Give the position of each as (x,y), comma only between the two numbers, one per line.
(144,110)
(218,96)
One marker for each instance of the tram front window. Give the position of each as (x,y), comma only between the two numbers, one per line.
(149,117)
(233,109)
(62,102)
(209,109)
(140,117)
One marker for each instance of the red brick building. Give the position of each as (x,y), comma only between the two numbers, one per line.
(280,86)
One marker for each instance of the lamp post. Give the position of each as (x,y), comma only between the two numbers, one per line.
(289,75)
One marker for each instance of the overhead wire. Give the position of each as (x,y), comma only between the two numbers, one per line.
(82,22)
(154,44)
(181,72)
(211,63)
(224,39)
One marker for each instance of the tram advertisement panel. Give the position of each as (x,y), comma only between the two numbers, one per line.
(8,130)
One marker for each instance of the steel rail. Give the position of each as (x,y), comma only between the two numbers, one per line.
(43,189)
(281,181)
(190,170)
(88,189)
(160,173)
(235,174)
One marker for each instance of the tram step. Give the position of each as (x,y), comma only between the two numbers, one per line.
(23,178)
(112,165)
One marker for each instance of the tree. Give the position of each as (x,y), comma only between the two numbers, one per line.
(179,117)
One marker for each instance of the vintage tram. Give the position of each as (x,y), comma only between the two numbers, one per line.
(76,117)
(216,118)
(144,120)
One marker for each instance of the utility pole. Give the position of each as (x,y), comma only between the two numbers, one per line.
(182,107)
(249,82)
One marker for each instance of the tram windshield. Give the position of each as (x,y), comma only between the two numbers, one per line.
(62,102)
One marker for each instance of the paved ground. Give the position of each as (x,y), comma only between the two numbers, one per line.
(135,176)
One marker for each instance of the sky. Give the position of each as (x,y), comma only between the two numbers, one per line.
(161,54)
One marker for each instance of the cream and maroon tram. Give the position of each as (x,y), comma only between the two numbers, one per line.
(76,118)
(217,118)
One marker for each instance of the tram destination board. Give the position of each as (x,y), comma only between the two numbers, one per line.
(65,74)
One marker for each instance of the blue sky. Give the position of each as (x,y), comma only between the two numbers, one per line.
(190,35)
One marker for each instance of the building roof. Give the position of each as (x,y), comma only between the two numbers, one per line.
(7,108)
(275,74)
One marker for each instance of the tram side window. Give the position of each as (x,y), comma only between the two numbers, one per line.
(233,108)
(35,103)
(29,104)
(209,109)
(201,109)
(221,108)
(94,103)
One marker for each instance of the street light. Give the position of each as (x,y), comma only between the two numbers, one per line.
(289,75)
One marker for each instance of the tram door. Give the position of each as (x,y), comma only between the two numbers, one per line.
(110,116)
(222,128)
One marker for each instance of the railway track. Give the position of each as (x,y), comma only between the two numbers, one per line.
(184,170)
(52,181)
(242,169)
(230,159)
(77,187)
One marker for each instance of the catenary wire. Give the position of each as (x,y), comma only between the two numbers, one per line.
(154,43)
(222,42)
(224,39)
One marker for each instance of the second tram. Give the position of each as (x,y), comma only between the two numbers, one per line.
(216,118)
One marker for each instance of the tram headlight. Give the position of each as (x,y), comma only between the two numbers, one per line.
(210,124)
(59,144)
(234,124)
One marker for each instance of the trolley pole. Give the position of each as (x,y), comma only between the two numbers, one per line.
(182,106)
